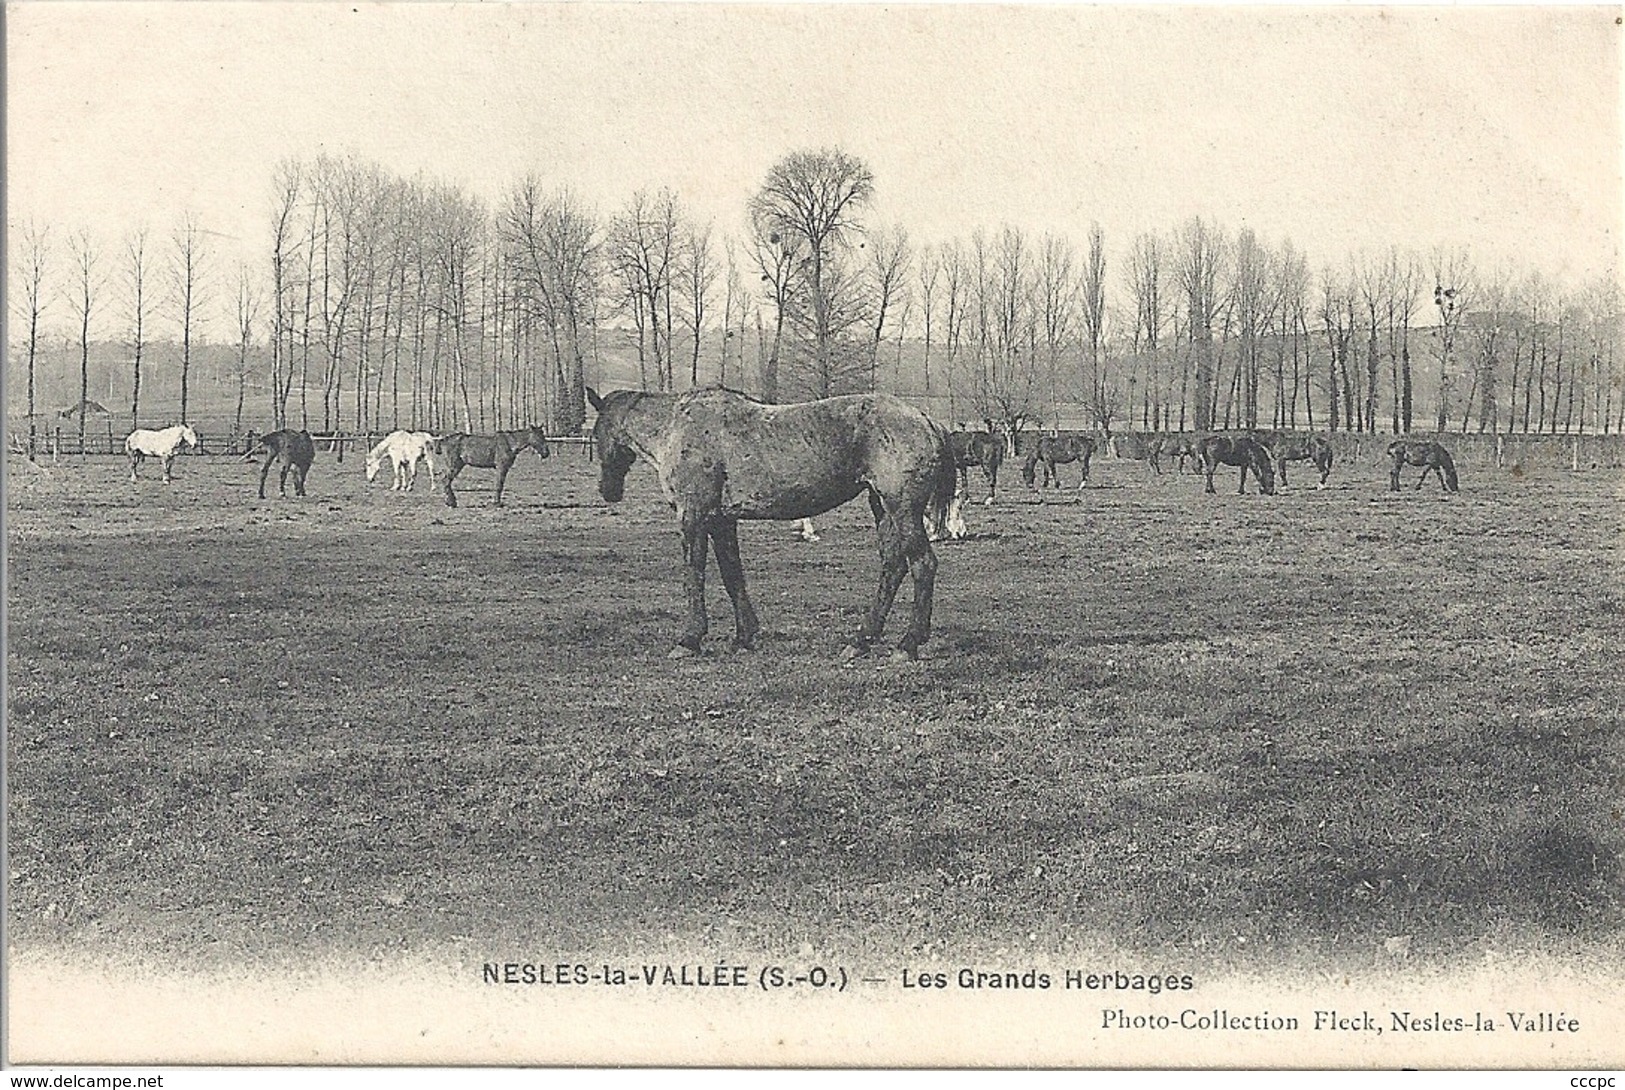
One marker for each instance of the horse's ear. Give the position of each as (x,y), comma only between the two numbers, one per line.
(594,400)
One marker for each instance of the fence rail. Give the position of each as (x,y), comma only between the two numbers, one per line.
(63,442)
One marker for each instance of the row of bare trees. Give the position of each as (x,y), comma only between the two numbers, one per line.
(401,302)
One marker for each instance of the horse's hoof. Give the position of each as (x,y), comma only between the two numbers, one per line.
(901,655)
(744,646)
(850,652)
(681,652)
(988,502)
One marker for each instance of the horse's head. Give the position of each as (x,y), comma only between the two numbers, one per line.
(189,437)
(1264,466)
(374,462)
(537,439)
(609,441)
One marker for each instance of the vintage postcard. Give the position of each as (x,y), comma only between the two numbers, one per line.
(797,534)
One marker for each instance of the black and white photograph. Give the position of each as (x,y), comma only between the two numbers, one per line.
(814,535)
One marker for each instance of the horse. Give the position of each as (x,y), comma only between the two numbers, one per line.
(497,452)
(1151,447)
(1297,446)
(1237,450)
(1053,450)
(404,449)
(723,456)
(978,448)
(291,449)
(164,444)
(1431,456)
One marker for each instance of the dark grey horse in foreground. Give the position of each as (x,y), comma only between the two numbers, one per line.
(496,452)
(1431,456)
(1237,450)
(292,450)
(723,456)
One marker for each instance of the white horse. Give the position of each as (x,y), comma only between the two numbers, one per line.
(404,449)
(164,443)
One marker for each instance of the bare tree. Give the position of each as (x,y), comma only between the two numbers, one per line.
(779,257)
(1249,291)
(188,264)
(135,251)
(1144,277)
(928,271)
(697,276)
(33,250)
(248,305)
(1057,307)
(1201,257)
(87,282)
(288,183)
(815,197)
(554,250)
(1452,291)
(889,259)
(1092,311)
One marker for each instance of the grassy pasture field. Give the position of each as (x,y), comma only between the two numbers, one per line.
(1247,729)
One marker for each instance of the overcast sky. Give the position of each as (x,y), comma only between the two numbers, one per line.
(1344,130)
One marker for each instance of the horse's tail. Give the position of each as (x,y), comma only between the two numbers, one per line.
(944,484)
(1448,464)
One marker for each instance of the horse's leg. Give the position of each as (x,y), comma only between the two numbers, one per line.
(694,556)
(455,468)
(725,537)
(992,475)
(922,565)
(1208,467)
(282,483)
(135,460)
(502,475)
(265,471)
(893,563)
(1241,489)
(167,460)
(1393,477)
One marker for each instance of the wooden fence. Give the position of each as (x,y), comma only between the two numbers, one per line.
(62,441)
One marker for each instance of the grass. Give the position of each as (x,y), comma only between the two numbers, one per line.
(1242,728)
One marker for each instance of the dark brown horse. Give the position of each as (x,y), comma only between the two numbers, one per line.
(496,452)
(723,456)
(1298,446)
(1152,447)
(292,450)
(1054,450)
(1431,456)
(978,448)
(1237,450)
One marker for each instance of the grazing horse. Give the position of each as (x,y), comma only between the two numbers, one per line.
(404,449)
(497,452)
(978,448)
(164,444)
(1152,447)
(723,456)
(1053,450)
(1297,446)
(1237,450)
(290,449)
(1431,456)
